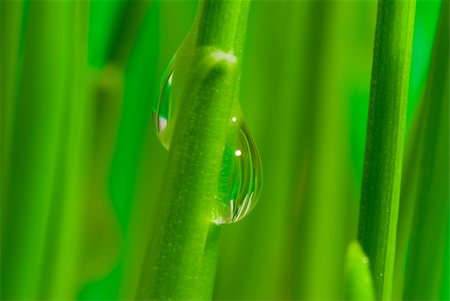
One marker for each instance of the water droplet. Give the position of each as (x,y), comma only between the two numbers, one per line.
(163,107)
(244,182)
(240,180)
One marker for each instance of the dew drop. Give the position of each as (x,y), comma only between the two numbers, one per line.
(244,182)
(163,107)
(240,180)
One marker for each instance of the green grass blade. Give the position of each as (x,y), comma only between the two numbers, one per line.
(36,133)
(324,219)
(385,139)
(358,279)
(425,266)
(105,19)
(182,252)
(11,14)
(60,273)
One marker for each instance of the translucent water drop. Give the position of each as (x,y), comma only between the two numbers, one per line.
(245,181)
(241,166)
(163,107)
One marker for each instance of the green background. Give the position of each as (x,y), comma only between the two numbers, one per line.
(81,165)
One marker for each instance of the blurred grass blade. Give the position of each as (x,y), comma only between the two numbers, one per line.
(99,256)
(113,103)
(60,272)
(135,111)
(105,20)
(425,265)
(11,14)
(37,122)
(324,214)
(385,139)
(358,279)
(182,252)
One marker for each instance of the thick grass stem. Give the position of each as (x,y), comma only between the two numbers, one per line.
(182,252)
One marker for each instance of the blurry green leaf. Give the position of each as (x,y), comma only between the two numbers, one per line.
(358,279)
(429,235)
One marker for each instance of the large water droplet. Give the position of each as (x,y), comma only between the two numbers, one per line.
(240,181)
(244,182)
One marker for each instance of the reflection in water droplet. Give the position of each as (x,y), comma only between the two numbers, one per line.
(241,166)
(245,181)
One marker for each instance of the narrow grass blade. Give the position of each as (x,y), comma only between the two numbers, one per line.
(11,14)
(60,273)
(385,139)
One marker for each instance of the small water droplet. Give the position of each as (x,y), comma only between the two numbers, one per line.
(381,274)
(163,106)
(245,181)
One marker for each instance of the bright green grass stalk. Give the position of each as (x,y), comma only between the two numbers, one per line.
(324,217)
(60,269)
(182,253)
(36,133)
(358,279)
(385,135)
(425,266)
